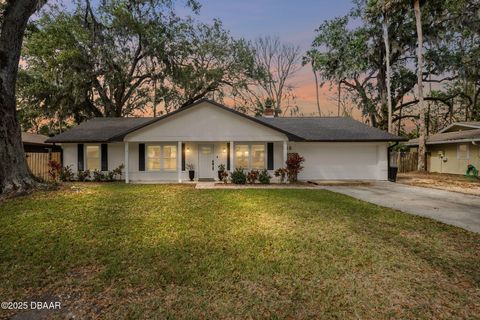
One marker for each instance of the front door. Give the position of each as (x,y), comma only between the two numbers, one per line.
(206,162)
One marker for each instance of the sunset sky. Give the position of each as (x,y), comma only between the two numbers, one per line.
(293,21)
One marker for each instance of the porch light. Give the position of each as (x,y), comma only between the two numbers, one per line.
(188,149)
(224,150)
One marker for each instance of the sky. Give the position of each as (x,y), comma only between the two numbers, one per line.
(293,21)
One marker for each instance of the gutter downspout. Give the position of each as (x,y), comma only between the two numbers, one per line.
(389,149)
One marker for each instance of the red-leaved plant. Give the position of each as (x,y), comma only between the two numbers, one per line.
(294,166)
(54,169)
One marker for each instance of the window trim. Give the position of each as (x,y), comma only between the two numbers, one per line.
(468,151)
(162,167)
(85,156)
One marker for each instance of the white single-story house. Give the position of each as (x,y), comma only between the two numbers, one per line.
(207,134)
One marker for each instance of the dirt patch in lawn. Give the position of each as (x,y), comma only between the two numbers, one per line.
(449,182)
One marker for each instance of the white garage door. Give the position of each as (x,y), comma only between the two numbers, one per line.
(344,161)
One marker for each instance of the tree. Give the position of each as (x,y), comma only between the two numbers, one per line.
(15,177)
(422,129)
(280,62)
(118,59)
(206,60)
(310,58)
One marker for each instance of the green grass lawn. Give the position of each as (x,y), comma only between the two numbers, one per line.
(119,251)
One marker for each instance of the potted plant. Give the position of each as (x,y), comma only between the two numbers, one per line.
(191,171)
(221,170)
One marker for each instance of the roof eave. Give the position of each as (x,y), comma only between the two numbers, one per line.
(446,141)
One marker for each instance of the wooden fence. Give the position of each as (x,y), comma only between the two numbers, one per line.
(38,163)
(405,161)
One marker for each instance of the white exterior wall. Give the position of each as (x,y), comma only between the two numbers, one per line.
(205,123)
(115,154)
(70,155)
(342,160)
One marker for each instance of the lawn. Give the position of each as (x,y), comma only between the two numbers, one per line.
(119,251)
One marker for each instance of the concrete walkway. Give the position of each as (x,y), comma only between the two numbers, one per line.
(452,208)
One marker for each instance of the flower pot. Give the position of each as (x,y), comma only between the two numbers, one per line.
(220,175)
(191,174)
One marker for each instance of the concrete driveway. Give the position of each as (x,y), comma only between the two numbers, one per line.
(453,208)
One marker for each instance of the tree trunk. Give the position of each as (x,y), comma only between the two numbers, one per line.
(316,91)
(422,129)
(339,98)
(388,72)
(15,177)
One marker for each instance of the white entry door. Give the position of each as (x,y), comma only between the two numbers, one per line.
(206,164)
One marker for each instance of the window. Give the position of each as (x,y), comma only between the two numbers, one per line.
(258,156)
(93,157)
(462,152)
(241,156)
(153,158)
(170,157)
(162,157)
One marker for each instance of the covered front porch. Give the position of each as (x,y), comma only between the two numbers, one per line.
(169,161)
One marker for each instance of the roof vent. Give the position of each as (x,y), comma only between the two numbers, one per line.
(268,112)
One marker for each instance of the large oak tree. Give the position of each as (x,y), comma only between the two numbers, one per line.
(14,173)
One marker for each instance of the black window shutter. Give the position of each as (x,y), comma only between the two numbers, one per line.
(270,156)
(80,166)
(183,156)
(104,157)
(228,155)
(141,157)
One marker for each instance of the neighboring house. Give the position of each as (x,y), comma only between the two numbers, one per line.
(207,134)
(453,148)
(36,143)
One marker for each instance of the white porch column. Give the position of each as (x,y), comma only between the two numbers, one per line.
(179,161)
(285,152)
(232,165)
(127,180)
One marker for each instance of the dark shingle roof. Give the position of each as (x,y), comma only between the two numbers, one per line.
(297,129)
(100,130)
(330,129)
(449,137)
(32,138)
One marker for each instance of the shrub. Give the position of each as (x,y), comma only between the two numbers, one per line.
(238,176)
(252,176)
(294,166)
(83,175)
(66,173)
(54,169)
(281,172)
(224,176)
(117,172)
(264,177)
(98,176)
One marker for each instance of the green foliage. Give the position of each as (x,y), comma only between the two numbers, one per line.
(221,167)
(350,51)
(66,173)
(106,59)
(264,177)
(83,175)
(98,176)
(238,176)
